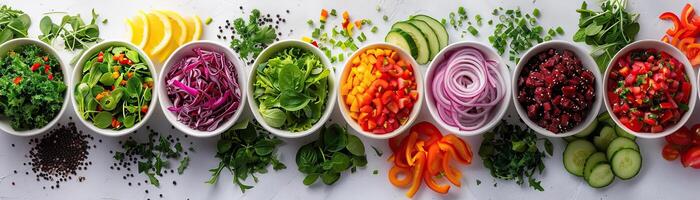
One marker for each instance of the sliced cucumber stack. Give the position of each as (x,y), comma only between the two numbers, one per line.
(427,35)
(601,152)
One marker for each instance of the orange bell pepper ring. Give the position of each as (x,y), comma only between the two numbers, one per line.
(463,152)
(429,130)
(418,170)
(452,174)
(435,157)
(394,176)
(442,189)
(673,18)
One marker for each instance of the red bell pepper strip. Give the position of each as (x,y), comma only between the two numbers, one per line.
(462,150)
(417,174)
(685,17)
(429,130)
(673,18)
(408,148)
(394,176)
(435,157)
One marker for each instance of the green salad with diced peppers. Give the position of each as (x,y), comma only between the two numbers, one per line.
(115,89)
(32,87)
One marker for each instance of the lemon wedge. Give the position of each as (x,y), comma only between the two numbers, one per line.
(139,29)
(195,27)
(160,33)
(179,34)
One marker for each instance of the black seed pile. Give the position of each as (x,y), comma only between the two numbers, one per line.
(59,155)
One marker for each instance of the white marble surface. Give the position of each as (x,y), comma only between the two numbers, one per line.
(658,179)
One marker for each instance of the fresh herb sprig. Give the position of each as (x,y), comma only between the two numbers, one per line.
(251,38)
(73,30)
(246,149)
(153,156)
(13,24)
(608,30)
(333,153)
(511,153)
(517,31)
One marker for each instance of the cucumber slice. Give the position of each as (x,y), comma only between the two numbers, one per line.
(592,161)
(605,117)
(588,130)
(620,143)
(626,163)
(403,40)
(607,135)
(421,43)
(622,133)
(429,34)
(575,156)
(570,138)
(601,176)
(437,27)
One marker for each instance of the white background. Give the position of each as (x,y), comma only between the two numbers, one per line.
(658,179)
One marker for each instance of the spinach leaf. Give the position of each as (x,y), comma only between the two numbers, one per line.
(334,152)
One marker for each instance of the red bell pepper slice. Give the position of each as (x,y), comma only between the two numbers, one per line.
(435,157)
(676,22)
(417,175)
(429,130)
(394,176)
(688,11)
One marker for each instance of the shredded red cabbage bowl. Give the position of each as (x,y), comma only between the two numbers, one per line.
(203,89)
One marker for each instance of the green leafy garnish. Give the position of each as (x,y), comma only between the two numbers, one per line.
(114,93)
(511,153)
(246,149)
(516,32)
(291,89)
(333,153)
(13,24)
(251,38)
(30,98)
(73,30)
(153,156)
(608,30)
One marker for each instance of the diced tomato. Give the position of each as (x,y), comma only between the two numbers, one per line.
(670,152)
(680,137)
(691,157)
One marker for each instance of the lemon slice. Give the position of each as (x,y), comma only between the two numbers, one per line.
(160,33)
(179,34)
(195,27)
(139,29)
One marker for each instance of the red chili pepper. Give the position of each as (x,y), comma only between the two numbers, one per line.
(35,66)
(17,80)
(100,57)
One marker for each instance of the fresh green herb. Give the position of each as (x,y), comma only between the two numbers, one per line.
(32,94)
(478,182)
(608,30)
(104,21)
(291,89)
(511,153)
(378,8)
(334,152)
(208,21)
(153,156)
(478,20)
(374,29)
(516,32)
(13,24)
(115,90)
(251,38)
(375,172)
(72,29)
(333,12)
(377,151)
(246,149)
(536,12)
(310,22)
(473,30)
(385,18)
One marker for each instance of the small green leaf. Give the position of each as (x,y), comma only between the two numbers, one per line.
(549,147)
(341,162)
(129,121)
(334,138)
(329,177)
(103,119)
(46,25)
(264,147)
(133,56)
(133,87)
(355,145)
(310,179)
(152,178)
(183,165)
(223,146)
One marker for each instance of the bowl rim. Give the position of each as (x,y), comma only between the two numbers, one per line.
(264,56)
(688,69)
(416,107)
(66,81)
(165,102)
(501,108)
(77,75)
(587,62)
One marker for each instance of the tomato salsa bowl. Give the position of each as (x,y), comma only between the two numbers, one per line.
(380,100)
(654,90)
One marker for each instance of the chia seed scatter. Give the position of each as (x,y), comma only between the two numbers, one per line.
(59,155)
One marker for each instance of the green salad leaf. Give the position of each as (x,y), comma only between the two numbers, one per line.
(13,24)
(333,153)
(291,89)
(31,95)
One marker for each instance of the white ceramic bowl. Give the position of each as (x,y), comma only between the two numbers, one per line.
(12,44)
(673,51)
(78,75)
(587,62)
(416,107)
(186,51)
(263,57)
(497,112)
